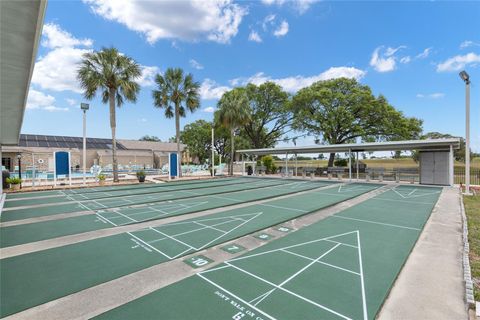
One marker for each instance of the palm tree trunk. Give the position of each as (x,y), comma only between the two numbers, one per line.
(113,125)
(232,156)
(177,137)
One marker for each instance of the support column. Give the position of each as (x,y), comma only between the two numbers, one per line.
(356,161)
(350,164)
(451,166)
(296,165)
(286,164)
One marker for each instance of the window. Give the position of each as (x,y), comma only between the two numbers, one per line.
(7,163)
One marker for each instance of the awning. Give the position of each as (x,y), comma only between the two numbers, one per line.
(20,31)
(429,144)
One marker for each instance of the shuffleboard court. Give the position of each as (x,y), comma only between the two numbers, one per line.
(12,214)
(122,193)
(339,268)
(20,234)
(35,278)
(53,193)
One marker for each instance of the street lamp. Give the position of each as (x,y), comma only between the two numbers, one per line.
(19,157)
(466,78)
(84,107)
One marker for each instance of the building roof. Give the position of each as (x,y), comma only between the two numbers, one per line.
(20,30)
(35,140)
(428,144)
(151,145)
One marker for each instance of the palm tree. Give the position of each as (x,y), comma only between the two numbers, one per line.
(114,75)
(176,93)
(233,112)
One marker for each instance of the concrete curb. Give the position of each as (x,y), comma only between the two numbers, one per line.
(467,272)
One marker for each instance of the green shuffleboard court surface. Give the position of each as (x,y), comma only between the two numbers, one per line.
(35,278)
(53,193)
(341,267)
(147,189)
(12,214)
(24,233)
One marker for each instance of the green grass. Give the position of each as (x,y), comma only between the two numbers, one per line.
(374,163)
(472,208)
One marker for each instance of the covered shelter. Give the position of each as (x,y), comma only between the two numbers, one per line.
(21,25)
(436,155)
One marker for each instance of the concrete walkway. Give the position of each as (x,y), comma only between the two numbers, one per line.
(430,285)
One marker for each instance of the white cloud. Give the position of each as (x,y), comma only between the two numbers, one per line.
(424,54)
(71,102)
(295,83)
(436,95)
(405,59)
(41,101)
(147,78)
(468,43)
(215,20)
(55,37)
(267,21)
(300,6)
(254,36)
(459,62)
(209,109)
(195,64)
(143,120)
(57,69)
(384,60)
(210,90)
(281,30)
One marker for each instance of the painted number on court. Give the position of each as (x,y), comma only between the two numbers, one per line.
(233,248)
(197,261)
(264,236)
(284,229)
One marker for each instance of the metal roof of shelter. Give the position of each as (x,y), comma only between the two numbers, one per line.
(428,144)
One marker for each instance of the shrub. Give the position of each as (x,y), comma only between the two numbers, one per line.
(269,164)
(341,162)
(101,177)
(140,173)
(13,180)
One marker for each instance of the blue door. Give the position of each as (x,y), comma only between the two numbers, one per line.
(173,165)
(61,163)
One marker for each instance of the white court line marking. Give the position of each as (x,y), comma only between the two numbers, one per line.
(209,227)
(175,235)
(292,246)
(291,292)
(299,271)
(321,262)
(236,297)
(404,201)
(360,263)
(279,207)
(375,222)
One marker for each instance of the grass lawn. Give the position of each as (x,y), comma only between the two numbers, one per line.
(472,207)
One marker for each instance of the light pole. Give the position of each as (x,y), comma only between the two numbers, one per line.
(84,107)
(213,154)
(465,77)
(19,157)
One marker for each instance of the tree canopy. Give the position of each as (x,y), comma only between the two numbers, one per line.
(114,75)
(176,93)
(150,138)
(342,110)
(232,113)
(270,115)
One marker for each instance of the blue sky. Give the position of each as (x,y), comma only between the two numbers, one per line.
(411,52)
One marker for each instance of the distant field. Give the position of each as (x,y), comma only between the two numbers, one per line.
(373,163)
